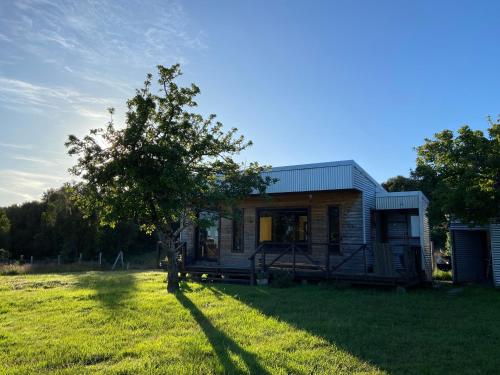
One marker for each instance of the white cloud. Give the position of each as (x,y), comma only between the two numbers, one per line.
(22,95)
(15,184)
(5,38)
(17,146)
(102,33)
(33,160)
(5,201)
(102,48)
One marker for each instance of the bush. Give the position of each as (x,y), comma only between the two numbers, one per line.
(4,254)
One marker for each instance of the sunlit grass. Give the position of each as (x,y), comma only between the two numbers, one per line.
(442,275)
(125,322)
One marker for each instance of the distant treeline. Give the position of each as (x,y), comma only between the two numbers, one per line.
(55,226)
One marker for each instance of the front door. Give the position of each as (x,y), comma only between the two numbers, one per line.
(207,238)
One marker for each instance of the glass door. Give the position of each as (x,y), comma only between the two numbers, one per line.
(207,247)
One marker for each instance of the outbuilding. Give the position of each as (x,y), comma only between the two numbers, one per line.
(475,253)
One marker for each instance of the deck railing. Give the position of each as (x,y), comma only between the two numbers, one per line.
(361,259)
(295,249)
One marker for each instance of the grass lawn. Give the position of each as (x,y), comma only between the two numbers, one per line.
(125,322)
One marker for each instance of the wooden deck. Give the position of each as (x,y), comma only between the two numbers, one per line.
(235,275)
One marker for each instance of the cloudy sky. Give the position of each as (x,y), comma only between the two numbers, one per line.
(306,81)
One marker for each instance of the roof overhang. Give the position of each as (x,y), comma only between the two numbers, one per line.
(336,175)
(400,200)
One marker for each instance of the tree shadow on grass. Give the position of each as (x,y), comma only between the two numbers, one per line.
(423,331)
(114,291)
(222,344)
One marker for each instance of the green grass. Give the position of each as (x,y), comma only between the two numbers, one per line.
(442,275)
(125,322)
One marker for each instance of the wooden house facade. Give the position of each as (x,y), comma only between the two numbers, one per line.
(326,220)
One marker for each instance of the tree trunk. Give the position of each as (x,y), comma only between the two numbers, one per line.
(172,265)
(173,269)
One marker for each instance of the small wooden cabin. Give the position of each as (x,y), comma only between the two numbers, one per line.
(326,220)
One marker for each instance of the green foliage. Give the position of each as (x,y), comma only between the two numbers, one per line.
(401,183)
(4,228)
(118,323)
(4,254)
(55,225)
(4,223)
(462,172)
(166,165)
(442,275)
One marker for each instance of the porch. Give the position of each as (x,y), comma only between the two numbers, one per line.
(364,265)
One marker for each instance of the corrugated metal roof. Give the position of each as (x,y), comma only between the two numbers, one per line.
(335,175)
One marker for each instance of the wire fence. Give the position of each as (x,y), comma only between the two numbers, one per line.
(98,262)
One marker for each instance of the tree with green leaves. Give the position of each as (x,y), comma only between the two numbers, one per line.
(4,228)
(400,183)
(462,173)
(165,166)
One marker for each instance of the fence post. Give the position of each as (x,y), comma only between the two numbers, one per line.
(80,258)
(59,260)
(31,260)
(100,258)
(293,255)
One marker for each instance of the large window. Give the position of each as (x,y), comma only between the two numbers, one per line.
(334,229)
(238,231)
(280,226)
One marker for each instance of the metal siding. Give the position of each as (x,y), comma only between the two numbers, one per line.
(368,188)
(425,238)
(334,177)
(495,252)
(456,225)
(467,256)
(388,202)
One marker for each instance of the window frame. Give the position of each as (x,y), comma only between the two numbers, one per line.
(410,226)
(328,219)
(241,225)
(306,209)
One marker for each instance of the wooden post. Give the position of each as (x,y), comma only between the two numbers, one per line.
(80,258)
(100,258)
(59,260)
(31,260)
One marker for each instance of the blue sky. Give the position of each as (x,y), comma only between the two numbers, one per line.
(307,81)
